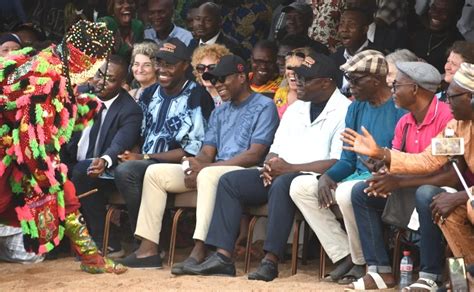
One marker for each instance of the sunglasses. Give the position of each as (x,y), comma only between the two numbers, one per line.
(296,54)
(451,96)
(220,79)
(201,68)
(354,80)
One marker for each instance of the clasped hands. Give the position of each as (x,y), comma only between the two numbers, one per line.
(272,168)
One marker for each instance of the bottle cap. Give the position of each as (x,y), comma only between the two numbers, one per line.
(406,253)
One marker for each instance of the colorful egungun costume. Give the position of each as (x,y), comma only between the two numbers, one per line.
(39,110)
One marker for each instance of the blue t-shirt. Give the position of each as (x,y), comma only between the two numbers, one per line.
(379,121)
(178,32)
(233,128)
(171,122)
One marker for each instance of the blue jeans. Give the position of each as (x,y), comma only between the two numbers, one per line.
(431,242)
(368,214)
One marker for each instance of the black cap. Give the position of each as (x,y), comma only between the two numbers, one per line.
(299,7)
(173,51)
(228,64)
(317,65)
(9,37)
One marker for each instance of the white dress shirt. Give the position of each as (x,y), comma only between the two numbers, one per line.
(210,41)
(298,140)
(83,143)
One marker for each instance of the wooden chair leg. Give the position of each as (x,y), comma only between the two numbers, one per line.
(248,247)
(174,232)
(306,237)
(108,217)
(294,247)
(396,254)
(322,263)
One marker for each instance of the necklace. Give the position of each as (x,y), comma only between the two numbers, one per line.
(432,48)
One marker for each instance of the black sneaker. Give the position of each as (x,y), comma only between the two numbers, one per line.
(151,262)
(178,268)
(213,265)
(267,271)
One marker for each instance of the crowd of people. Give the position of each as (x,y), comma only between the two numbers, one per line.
(310,107)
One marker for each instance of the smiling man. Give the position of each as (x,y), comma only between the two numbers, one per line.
(265,78)
(160,14)
(175,115)
(239,134)
(207,28)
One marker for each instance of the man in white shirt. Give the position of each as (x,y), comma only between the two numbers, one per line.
(306,142)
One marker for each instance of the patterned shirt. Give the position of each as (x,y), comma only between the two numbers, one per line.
(171,122)
(233,128)
(325,22)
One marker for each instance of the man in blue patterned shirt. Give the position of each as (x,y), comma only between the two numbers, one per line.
(175,114)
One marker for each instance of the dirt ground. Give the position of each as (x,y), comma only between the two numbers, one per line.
(64,275)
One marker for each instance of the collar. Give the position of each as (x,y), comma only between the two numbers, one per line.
(210,41)
(334,103)
(429,117)
(172,32)
(371,32)
(108,103)
(347,55)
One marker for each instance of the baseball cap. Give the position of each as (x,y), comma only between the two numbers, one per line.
(317,65)
(302,8)
(228,64)
(173,51)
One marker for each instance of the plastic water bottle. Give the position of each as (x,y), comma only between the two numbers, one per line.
(406,270)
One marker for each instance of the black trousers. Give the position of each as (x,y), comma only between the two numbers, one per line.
(239,188)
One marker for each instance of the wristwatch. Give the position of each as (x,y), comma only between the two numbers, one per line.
(146,156)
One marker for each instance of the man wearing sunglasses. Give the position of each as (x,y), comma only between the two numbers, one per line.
(305,144)
(373,108)
(175,112)
(239,134)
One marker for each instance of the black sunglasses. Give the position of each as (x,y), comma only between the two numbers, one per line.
(201,68)
(451,96)
(354,80)
(297,54)
(220,79)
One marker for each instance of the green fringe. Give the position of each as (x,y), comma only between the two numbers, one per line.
(16,86)
(61,230)
(54,189)
(42,67)
(33,228)
(39,114)
(82,109)
(16,186)
(35,148)
(10,105)
(57,147)
(49,246)
(24,227)
(7,160)
(43,80)
(4,129)
(58,105)
(60,197)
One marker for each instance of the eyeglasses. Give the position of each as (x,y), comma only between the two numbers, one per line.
(201,68)
(451,96)
(220,79)
(395,84)
(304,80)
(354,80)
(296,54)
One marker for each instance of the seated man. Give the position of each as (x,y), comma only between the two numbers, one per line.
(239,135)
(306,141)
(265,77)
(414,89)
(175,112)
(374,109)
(116,128)
(433,203)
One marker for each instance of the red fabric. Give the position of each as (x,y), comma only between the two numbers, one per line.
(71,201)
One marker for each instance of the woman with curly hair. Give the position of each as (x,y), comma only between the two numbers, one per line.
(205,59)
(144,66)
(286,94)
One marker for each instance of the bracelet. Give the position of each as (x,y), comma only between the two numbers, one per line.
(385,149)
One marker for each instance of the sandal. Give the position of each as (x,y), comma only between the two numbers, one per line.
(423,283)
(371,281)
